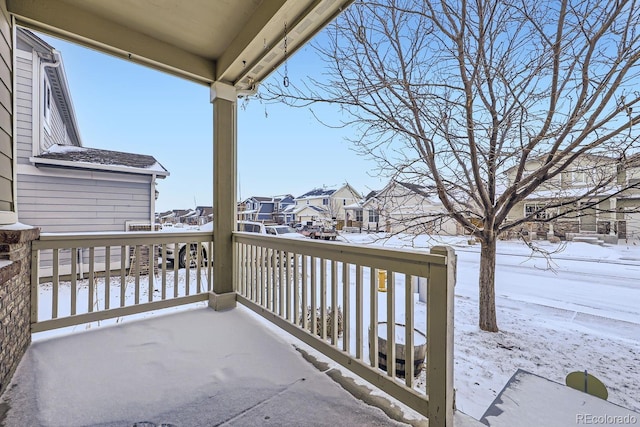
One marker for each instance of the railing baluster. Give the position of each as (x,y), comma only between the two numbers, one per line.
(359,312)
(314,310)
(253,276)
(346,307)
(287,280)
(334,302)
(244,260)
(187,269)
(247,273)
(391,325)
(176,264)
(323,298)
(274,287)
(136,255)
(269,276)
(199,267)
(107,277)
(259,272)
(91,279)
(56,283)
(151,271)
(281,283)
(373,328)
(241,261)
(74,279)
(408,339)
(210,266)
(163,259)
(305,298)
(296,291)
(264,273)
(35,284)
(123,282)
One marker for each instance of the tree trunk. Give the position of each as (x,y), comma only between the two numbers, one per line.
(487,298)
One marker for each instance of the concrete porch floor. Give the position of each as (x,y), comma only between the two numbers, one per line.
(191,368)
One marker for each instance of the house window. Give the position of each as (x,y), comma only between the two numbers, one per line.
(325,201)
(344,202)
(47,103)
(358,215)
(374,215)
(578,177)
(531,208)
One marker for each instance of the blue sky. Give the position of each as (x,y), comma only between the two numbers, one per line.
(126,107)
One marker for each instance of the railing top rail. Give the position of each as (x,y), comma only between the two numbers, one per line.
(347,252)
(98,239)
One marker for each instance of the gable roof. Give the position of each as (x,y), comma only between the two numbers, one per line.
(57,79)
(204,210)
(93,158)
(425,192)
(317,192)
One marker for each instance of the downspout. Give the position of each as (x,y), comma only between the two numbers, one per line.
(55,64)
(152,205)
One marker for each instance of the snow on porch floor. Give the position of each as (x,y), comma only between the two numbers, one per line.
(192,368)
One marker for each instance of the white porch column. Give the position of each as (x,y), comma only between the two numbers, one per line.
(224,100)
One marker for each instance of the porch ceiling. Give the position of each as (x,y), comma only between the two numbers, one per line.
(234,41)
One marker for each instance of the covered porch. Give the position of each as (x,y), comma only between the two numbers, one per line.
(192,368)
(305,288)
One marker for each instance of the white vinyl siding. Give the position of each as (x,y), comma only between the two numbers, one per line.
(71,204)
(24,102)
(6,116)
(56,132)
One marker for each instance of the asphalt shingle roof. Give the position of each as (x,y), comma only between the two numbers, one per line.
(102,157)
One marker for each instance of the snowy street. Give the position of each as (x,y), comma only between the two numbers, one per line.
(588,293)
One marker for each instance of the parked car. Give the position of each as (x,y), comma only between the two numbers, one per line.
(283,231)
(248,226)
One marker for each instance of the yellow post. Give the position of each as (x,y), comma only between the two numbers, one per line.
(382,280)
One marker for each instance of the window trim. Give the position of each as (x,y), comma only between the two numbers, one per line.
(542,215)
(374,215)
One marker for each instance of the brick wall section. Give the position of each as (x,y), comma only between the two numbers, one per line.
(15,299)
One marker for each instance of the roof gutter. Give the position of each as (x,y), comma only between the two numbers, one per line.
(97,166)
(47,64)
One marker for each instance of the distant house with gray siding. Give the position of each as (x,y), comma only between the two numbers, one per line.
(63,186)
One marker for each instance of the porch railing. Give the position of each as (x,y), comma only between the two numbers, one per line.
(338,298)
(300,285)
(88,277)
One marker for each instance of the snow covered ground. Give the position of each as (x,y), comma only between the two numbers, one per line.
(579,311)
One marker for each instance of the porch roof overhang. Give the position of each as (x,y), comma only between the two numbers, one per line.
(238,42)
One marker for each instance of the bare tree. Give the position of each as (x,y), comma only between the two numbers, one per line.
(486,102)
